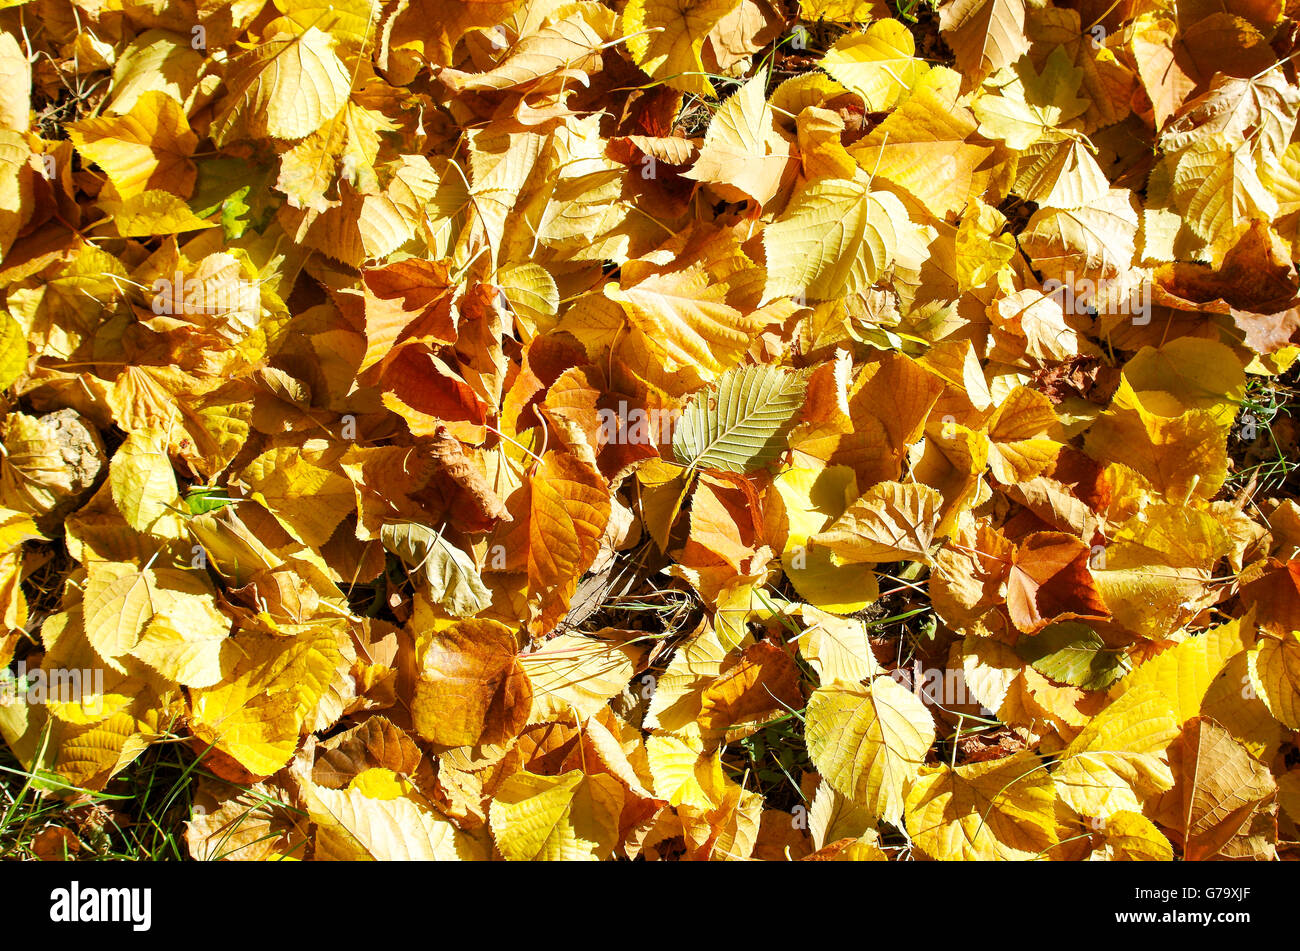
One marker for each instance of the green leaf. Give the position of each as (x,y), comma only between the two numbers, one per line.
(205,498)
(239,190)
(1073,653)
(453,578)
(740,425)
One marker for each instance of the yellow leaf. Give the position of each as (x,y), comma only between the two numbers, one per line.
(156,60)
(811,499)
(576,675)
(837,648)
(728,831)
(287,87)
(879,65)
(685,324)
(666,38)
(570,45)
(570,817)
(1018,433)
(1180,455)
(153,212)
(982,249)
(268,690)
(1187,373)
(471,689)
(843,11)
(678,692)
(120,600)
(985,35)
(1219,787)
(16,528)
(307,499)
(351,826)
(89,755)
(148,148)
(869,742)
(683,773)
(143,484)
(834,238)
(79,688)
(744,154)
(1095,242)
(1132,837)
(180,653)
(1023,105)
(891,521)
(833,817)
(15,85)
(558,519)
(1217,188)
(13,350)
(1275,675)
(1119,758)
(762,682)
(1002,809)
(1060,174)
(923,147)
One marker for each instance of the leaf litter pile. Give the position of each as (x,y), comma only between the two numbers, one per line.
(674,429)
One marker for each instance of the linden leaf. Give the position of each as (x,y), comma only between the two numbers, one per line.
(1024,105)
(1050,577)
(120,600)
(257,712)
(923,148)
(13,350)
(1119,758)
(1219,786)
(1275,675)
(558,517)
(1018,432)
(453,578)
(1073,653)
(149,147)
(1132,837)
(1096,241)
(142,481)
(287,87)
(869,742)
(1060,174)
(666,38)
(812,499)
(576,675)
(893,520)
(471,688)
(153,212)
(985,35)
(352,825)
(879,65)
(189,656)
(744,154)
(308,500)
(1218,190)
(839,649)
(573,816)
(1001,810)
(684,324)
(834,238)
(763,681)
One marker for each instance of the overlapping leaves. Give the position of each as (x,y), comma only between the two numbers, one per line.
(590,430)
